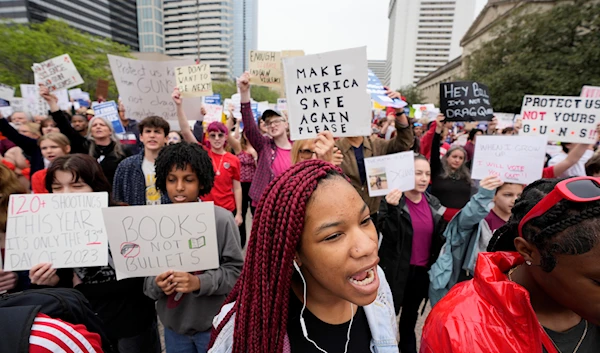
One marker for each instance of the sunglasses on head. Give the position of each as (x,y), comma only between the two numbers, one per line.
(581,189)
(215,135)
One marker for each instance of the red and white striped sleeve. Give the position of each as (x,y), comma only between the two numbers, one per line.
(50,335)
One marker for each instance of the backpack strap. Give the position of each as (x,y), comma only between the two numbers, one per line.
(15,325)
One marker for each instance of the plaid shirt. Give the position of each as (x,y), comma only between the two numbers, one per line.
(266,149)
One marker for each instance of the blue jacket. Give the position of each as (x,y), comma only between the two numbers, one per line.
(130,184)
(380,316)
(466,236)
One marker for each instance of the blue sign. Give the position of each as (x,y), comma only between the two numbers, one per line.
(83,103)
(110,112)
(214,99)
(377,92)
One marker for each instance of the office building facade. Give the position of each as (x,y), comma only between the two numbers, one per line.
(150,26)
(245,33)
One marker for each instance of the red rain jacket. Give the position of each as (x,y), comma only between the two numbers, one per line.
(486,314)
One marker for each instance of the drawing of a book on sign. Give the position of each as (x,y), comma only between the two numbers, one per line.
(196,243)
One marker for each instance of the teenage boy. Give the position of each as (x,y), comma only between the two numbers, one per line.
(135,179)
(188,302)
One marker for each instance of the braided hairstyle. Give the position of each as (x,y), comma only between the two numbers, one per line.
(180,155)
(262,292)
(569,228)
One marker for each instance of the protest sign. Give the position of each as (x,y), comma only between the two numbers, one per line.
(7,111)
(66,230)
(428,111)
(6,92)
(213,99)
(33,103)
(504,120)
(564,119)
(18,104)
(327,92)
(379,95)
(213,112)
(465,101)
(145,87)
(291,53)
(392,171)
(57,73)
(590,92)
(147,241)
(101,88)
(194,80)
(514,159)
(109,111)
(265,68)
(75,93)
(281,104)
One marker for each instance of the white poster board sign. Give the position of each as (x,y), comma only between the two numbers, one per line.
(564,119)
(33,103)
(18,104)
(66,230)
(147,241)
(514,159)
(145,88)
(328,92)
(57,73)
(214,112)
(392,171)
(281,104)
(590,92)
(504,120)
(194,80)
(6,92)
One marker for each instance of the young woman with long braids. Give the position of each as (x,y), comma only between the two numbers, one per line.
(311,219)
(539,291)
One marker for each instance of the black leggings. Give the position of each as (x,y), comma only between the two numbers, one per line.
(417,286)
(246,202)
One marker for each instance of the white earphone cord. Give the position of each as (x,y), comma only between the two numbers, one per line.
(303,324)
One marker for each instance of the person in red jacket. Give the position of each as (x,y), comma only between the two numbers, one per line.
(540,290)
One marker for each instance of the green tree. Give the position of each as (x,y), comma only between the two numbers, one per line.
(550,53)
(24,45)
(258,93)
(412,94)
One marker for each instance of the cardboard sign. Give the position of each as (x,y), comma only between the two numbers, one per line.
(110,111)
(281,104)
(194,80)
(327,92)
(33,103)
(147,241)
(465,101)
(213,112)
(392,171)
(145,88)
(101,88)
(212,99)
(7,92)
(590,92)
(514,159)
(378,94)
(57,73)
(66,230)
(265,68)
(564,119)
(291,53)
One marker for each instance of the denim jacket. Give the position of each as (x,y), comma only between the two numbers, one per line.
(380,315)
(467,235)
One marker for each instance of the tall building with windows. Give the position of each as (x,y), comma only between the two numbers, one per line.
(201,29)
(116,20)
(423,36)
(245,33)
(150,26)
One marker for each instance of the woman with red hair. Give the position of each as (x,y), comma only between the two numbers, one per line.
(311,282)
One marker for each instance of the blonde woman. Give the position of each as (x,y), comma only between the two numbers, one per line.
(52,145)
(105,146)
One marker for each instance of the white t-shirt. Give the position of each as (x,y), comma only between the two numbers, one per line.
(578,169)
(152,195)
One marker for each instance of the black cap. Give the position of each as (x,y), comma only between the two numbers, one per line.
(269,113)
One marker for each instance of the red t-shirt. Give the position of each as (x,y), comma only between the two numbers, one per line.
(53,335)
(227,169)
(548,173)
(38,182)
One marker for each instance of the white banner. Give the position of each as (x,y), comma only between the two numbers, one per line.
(392,171)
(328,92)
(66,230)
(514,159)
(561,119)
(147,241)
(145,88)
(57,73)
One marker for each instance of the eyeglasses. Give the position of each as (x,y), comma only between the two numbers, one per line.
(274,122)
(306,154)
(581,189)
(214,136)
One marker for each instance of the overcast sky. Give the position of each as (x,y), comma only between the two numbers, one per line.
(323,25)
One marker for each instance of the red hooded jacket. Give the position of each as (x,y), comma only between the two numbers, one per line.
(486,314)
